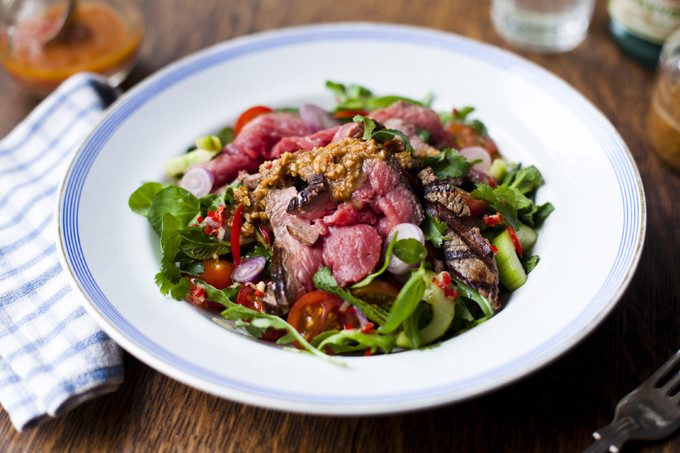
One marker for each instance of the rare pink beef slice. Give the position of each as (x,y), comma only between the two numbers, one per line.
(294,264)
(388,193)
(317,139)
(351,252)
(254,145)
(421,117)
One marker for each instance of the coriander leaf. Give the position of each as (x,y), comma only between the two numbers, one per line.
(350,340)
(410,250)
(434,231)
(141,199)
(388,255)
(356,97)
(449,163)
(170,279)
(459,115)
(543,212)
(381,135)
(200,246)
(324,280)
(504,199)
(406,302)
(369,125)
(176,201)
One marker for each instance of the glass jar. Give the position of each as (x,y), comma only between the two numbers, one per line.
(663,119)
(103,37)
(640,27)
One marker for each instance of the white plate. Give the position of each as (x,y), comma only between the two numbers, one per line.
(589,246)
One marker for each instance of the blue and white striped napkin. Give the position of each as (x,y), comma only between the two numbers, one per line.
(53,356)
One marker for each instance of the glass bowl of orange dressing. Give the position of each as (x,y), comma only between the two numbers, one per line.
(104,38)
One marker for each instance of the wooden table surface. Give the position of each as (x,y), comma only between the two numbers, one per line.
(552,410)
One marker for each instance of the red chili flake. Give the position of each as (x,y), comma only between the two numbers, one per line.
(199,219)
(258,293)
(368,352)
(197,291)
(494,249)
(492,220)
(349,326)
(367,328)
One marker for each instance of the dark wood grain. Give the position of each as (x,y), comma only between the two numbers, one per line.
(552,410)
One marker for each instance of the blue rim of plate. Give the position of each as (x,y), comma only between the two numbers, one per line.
(618,155)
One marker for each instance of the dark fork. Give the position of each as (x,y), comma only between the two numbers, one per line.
(650,412)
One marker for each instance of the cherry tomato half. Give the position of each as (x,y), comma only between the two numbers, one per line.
(248,116)
(217,273)
(317,312)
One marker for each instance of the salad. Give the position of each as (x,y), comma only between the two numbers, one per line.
(377,226)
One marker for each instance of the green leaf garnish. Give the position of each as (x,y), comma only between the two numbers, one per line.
(410,250)
(406,302)
(351,340)
(434,230)
(141,199)
(449,163)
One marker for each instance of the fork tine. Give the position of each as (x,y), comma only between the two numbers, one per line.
(663,371)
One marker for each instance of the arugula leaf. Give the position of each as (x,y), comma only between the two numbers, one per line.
(170,279)
(141,199)
(412,325)
(257,323)
(434,230)
(449,163)
(324,280)
(350,340)
(174,200)
(504,199)
(388,256)
(406,302)
(410,250)
(473,295)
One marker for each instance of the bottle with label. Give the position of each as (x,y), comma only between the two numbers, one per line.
(663,119)
(640,27)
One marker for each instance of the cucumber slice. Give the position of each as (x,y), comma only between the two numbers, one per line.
(499,169)
(526,236)
(510,270)
(443,311)
(177,165)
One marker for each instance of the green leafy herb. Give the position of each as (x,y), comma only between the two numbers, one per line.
(200,246)
(382,135)
(406,302)
(508,201)
(412,325)
(434,231)
(356,97)
(524,179)
(459,115)
(141,199)
(449,163)
(324,280)
(410,250)
(176,201)
(473,295)
(170,279)
(529,263)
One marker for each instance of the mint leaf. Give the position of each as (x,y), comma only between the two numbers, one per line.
(504,199)
(141,199)
(449,163)
(434,230)
(351,340)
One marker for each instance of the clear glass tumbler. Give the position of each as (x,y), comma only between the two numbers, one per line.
(548,26)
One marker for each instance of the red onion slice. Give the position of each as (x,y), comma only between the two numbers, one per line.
(472,153)
(249,269)
(198,181)
(317,118)
(403,231)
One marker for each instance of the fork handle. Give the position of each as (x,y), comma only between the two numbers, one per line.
(612,437)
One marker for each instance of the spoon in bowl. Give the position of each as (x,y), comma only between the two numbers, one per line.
(69,29)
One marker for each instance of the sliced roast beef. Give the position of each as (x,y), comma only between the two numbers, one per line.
(421,117)
(348,214)
(351,252)
(314,201)
(293,264)
(254,145)
(420,148)
(317,139)
(466,253)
